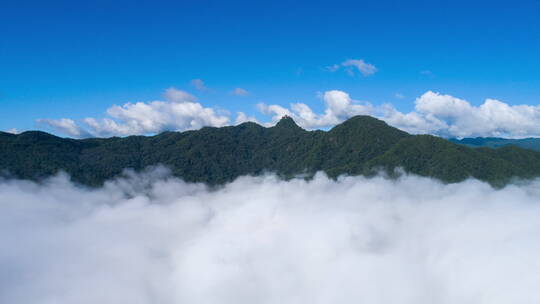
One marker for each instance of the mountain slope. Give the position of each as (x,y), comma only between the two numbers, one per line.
(428,155)
(360,145)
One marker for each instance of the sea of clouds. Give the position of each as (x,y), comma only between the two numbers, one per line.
(151,238)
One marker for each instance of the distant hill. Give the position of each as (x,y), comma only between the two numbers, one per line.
(495,142)
(361,145)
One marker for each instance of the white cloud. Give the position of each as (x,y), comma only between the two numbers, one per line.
(63,125)
(447,115)
(13,131)
(175,95)
(260,240)
(179,112)
(333,68)
(363,67)
(240,92)
(399,96)
(199,84)
(366,69)
(434,113)
(339,107)
(242,117)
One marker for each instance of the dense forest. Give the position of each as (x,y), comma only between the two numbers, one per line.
(361,145)
(496,142)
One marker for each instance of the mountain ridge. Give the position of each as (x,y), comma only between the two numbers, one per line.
(496,142)
(362,145)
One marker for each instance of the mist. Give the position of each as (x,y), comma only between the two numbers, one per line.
(151,238)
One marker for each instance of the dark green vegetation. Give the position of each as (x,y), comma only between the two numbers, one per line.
(495,142)
(360,146)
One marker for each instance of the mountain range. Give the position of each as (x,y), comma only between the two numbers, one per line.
(362,145)
(496,142)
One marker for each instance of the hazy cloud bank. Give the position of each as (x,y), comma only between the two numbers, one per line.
(152,239)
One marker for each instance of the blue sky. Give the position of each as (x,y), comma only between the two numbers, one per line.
(75,59)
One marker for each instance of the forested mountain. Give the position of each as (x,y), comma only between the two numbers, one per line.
(495,142)
(361,145)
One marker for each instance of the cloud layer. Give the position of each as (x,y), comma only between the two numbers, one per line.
(152,239)
(434,113)
(180,111)
(450,116)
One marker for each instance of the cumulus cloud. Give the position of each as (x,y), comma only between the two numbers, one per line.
(450,116)
(434,113)
(179,96)
(242,117)
(63,125)
(339,107)
(154,239)
(180,111)
(240,92)
(199,84)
